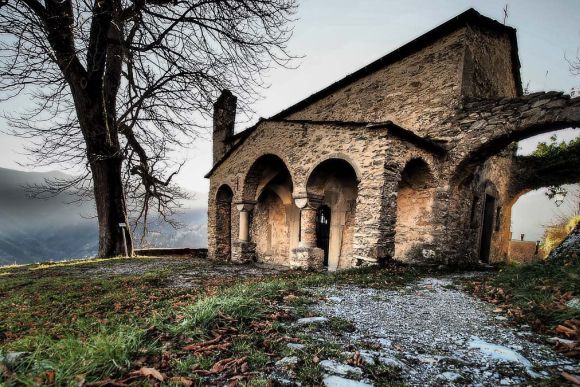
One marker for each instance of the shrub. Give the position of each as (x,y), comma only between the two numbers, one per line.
(555,234)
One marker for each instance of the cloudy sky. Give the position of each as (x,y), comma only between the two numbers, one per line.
(336,37)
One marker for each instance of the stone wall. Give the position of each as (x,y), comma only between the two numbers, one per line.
(488,64)
(416,92)
(522,251)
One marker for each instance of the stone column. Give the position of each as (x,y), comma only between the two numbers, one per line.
(244,208)
(307,227)
(243,250)
(307,255)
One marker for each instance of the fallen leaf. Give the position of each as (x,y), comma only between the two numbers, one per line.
(50,375)
(181,381)
(571,378)
(146,371)
(80,380)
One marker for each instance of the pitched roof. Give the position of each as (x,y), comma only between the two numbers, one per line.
(469,17)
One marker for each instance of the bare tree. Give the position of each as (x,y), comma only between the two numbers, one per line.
(118,84)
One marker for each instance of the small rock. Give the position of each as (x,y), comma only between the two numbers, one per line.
(449,376)
(284,378)
(367,357)
(574,303)
(337,368)
(427,359)
(287,361)
(334,299)
(337,381)
(311,320)
(12,359)
(391,362)
(296,346)
(385,343)
(501,318)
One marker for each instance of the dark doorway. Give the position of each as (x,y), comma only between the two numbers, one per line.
(323,230)
(487,228)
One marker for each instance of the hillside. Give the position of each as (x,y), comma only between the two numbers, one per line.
(33,230)
(190,321)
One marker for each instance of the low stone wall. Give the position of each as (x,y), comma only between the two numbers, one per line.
(163,252)
(523,251)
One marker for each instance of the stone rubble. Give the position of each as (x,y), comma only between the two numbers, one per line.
(340,369)
(435,334)
(337,381)
(311,320)
(287,361)
(13,359)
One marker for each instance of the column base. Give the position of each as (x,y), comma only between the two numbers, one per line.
(309,258)
(243,252)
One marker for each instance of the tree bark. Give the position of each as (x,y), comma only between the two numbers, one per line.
(111,208)
(105,160)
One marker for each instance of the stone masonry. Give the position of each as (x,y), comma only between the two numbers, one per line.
(409,158)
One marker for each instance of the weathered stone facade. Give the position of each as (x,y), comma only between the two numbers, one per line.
(408,158)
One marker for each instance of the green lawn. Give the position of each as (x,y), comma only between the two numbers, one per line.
(83,322)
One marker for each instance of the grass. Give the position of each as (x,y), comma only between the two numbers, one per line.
(536,291)
(81,324)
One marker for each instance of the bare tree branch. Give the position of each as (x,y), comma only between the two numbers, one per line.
(118,85)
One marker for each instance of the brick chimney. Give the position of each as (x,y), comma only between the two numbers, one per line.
(224,118)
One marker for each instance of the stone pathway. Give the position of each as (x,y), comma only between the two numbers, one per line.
(434,334)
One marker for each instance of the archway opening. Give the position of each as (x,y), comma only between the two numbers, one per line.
(334,181)
(223,224)
(415,197)
(275,221)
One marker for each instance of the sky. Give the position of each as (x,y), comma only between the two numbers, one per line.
(338,37)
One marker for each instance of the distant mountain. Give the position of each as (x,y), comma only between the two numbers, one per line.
(33,230)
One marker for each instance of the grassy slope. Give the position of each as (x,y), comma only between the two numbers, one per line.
(82,327)
(536,292)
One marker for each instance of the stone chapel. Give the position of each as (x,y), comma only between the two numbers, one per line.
(412,158)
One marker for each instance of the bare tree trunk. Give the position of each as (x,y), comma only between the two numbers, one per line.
(111,208)
(106,162)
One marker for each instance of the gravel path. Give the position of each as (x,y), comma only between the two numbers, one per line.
(441,336)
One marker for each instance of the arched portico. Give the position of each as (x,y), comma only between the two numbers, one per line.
(328,212)
(268,218)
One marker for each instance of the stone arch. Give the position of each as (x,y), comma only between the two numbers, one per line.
(265,168)
(334,183)
(274,225)
(414,222)
(337,156)
(223,223)
(507,121)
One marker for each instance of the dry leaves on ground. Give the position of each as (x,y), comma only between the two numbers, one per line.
(571,330)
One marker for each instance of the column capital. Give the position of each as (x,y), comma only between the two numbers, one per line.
(245,205)
(303,201)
